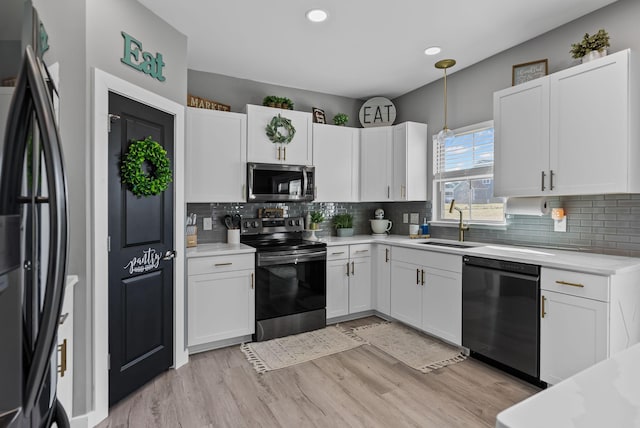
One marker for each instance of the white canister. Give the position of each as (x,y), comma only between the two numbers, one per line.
(233,236)
(414,229)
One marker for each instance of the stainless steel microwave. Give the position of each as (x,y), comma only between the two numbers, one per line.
(276,182)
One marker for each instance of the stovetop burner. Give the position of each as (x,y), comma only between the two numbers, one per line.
(276,234)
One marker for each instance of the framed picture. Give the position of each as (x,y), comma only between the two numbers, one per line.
(529,71)
(318,115)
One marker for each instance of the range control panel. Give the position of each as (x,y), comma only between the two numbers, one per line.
(257,226)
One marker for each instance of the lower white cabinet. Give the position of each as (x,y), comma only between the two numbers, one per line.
(221,298)
(382,280)
(348,279)
(426,292)
(64,390)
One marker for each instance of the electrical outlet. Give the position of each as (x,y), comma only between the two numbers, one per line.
(206,223)
(405,218)
(415,218)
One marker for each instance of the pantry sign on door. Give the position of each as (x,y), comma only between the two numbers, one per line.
(145,62)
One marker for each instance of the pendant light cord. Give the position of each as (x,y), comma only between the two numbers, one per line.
(445,99)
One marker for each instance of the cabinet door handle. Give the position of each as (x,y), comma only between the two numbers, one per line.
(386,255)
(353,269)
(284,149)
(337,253)
(542,174)
(423,277)
(417,276)
(347,268)
(388,192)
(550,179)
(572,284)
(62,367)
(223,264)
(252,281)
(279,149)
(361,251)
(542,311)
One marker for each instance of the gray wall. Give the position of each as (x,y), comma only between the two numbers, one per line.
(596,223)
(239,92)
(10,52)
(90,37)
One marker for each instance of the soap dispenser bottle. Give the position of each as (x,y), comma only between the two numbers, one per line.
(424,228)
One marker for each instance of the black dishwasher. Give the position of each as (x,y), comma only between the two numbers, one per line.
(500,322)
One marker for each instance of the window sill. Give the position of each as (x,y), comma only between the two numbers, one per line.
(489,226)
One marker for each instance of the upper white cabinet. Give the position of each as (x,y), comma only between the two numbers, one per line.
(216,156)
(336,151)
(376,153)
(570,133)
(409,162)
(261,149)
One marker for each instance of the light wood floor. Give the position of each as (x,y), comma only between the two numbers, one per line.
(362,387)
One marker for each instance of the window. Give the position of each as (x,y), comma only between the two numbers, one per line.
(463,171)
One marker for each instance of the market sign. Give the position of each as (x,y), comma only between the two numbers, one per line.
(145,62)
(377,111)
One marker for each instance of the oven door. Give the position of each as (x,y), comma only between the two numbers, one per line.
(290,282)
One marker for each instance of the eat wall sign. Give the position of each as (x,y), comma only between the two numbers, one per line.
(377,111)
(145,62)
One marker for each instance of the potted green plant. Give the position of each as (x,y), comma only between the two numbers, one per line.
(343,224)
(269,101)
(591,47)
(286,103)
(316,218)
(340,119)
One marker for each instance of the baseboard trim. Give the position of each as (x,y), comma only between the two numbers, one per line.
(218,344)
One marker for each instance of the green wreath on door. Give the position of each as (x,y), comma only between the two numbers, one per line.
(139,181)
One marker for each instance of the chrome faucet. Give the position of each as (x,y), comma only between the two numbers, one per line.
(461,226)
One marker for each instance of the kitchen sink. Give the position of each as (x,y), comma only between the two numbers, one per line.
(447,244)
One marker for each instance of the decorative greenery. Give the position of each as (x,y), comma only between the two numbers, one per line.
(342,221)
(596,42)
(143,183)
(279,102)
(340,119)
(275,135)
(317,217)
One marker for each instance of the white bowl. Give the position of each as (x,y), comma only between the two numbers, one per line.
(380,225)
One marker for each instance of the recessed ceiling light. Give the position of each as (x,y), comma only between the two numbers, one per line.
(317,15)
(433,50)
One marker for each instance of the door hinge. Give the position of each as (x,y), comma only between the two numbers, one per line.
(109,243)
(112,118)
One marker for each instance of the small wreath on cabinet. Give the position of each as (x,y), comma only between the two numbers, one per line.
(145,168)
(273,130)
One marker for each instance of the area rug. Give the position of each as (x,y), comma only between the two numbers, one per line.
(416,350)
(288,351)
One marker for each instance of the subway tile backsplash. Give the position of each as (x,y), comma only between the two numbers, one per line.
(606,224)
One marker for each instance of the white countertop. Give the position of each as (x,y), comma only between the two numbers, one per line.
(598,264)
(604,395)
(218,249)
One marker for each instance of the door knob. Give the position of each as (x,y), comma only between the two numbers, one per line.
(169,255)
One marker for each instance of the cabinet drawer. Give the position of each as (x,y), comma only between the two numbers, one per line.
(338,252)
(575,284)
(359,250)
(232,262)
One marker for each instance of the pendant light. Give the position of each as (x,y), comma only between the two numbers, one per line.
(445,132)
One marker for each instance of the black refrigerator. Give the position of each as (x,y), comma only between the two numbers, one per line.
(33,250)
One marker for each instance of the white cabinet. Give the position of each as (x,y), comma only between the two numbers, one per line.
(382,267)
(261,149)
(6,93)
(336,151)
(426,292)
(349,287)
(221,298)
(409,162)
(376,154)
(549,141)
(65,350)
(573,323)
(216,156)
(521,138)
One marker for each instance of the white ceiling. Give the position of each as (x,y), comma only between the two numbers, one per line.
(365,48)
